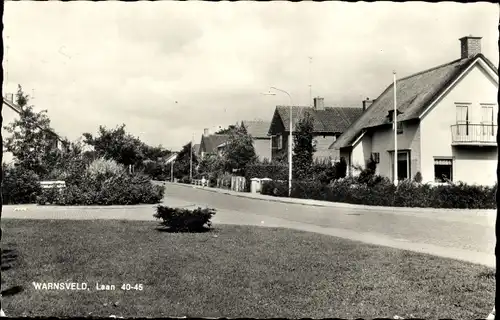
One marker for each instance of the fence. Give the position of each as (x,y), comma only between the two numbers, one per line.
(238,184)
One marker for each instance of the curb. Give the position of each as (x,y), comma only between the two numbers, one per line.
(327,204)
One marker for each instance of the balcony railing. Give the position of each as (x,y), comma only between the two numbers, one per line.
(474,134)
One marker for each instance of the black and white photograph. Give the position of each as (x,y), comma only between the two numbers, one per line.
(246,159)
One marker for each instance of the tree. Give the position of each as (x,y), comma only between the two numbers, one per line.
(116,144)
(32,142)
(182,162)
(228,130)
(239,150)
(303,147)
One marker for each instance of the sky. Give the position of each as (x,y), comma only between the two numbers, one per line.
(170,69)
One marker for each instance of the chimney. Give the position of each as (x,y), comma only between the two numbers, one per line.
(319,103)
(205,132)
(367,103)
(9,97)
(470,46)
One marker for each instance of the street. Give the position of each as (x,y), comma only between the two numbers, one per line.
(464,236)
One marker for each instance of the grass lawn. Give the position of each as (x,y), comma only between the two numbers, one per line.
(231,271)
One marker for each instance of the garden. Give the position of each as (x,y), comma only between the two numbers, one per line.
(112,168)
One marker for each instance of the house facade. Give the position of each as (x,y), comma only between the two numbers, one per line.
(446,124)
(258,130)
(328,124)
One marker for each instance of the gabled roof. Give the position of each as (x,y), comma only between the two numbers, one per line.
(210,143)
(329,120)
(171,157)
(257,128)
(413,93)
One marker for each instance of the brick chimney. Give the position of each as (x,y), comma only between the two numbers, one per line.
(319,103)
(470,46)
(367,103)
(205,132)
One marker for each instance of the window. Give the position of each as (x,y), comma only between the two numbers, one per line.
(403,164)
(279,140)
(376,157)
(443,170)
(487,120)
(462,120)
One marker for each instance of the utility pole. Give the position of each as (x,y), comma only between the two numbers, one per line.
(191,160)
(310,81)
(395,123)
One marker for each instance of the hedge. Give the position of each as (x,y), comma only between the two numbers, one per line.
(19,186)
(179,219)
(380,191)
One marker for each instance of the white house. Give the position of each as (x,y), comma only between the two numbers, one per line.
(447,123)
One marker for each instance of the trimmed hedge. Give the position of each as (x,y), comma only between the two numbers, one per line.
(19,186)
(123,189)
(379,191)
(177,219)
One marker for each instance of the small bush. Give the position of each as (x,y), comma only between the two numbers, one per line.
(105,168)
(19,186)
(178,219)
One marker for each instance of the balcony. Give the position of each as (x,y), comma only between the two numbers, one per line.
(474,134)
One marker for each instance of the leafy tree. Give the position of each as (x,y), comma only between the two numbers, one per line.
(32,141)
(182,162)
(227,130)
(239,151)
(303,147)
(211,166)
(116,144)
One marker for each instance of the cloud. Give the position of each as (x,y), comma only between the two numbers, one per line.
(169,69)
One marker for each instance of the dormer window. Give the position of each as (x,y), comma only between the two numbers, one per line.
(390,118)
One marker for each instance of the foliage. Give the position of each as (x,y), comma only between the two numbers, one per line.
(228,130)
(380,191)
(157,170)
(366,175)
(19,185)
(177,219)
(303,147)
(341,168)
(124,148)
(418,177)
(105,168)
(182,162)
(239,151)
(275,171)
(106,189)
(32,141)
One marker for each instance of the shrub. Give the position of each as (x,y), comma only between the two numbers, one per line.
(115,190)
(380,191)
(177,219)
(105,168)
(19,186)
(418,177)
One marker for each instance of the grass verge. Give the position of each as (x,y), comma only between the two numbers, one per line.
(231,271)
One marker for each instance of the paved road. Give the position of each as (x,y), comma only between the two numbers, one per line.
(465,236)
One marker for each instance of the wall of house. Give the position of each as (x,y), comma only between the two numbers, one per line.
(471,164)
(382,141)
(8,115)
(262,148)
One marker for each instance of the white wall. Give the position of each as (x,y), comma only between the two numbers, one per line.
(472,164)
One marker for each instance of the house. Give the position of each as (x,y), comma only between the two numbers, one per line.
(328,124)
(446,123)
(196,149)
(258,130)
(11,112)
(212,144)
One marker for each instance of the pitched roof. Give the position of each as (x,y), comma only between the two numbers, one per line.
(329,120)
(257,128)
(210,143)
(413,93)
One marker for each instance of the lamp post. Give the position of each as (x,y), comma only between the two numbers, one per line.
(290,141)
(191,160)
(395,123)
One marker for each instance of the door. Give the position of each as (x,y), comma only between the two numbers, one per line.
(487,121)
(462,121)
(403,165)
